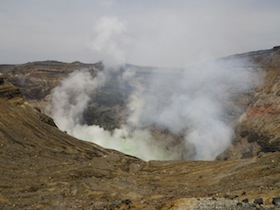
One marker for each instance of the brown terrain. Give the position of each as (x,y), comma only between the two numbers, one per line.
(259,129)
(44,168)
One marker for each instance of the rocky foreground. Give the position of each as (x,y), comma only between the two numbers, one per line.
(44,168)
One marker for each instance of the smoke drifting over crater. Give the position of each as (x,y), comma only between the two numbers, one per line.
(110,41)
(170,113)
(192,102)
(189,103)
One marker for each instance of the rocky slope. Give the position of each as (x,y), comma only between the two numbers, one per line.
(37,79)
(259,128)
(44,168)
(256,132)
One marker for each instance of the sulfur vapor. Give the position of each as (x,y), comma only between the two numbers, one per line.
(185,113)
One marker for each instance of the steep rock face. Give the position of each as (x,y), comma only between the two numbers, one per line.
(259,128)
(42,167)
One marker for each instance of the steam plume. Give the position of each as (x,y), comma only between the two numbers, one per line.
(110,41)
(190,103)
(193,104)
(70,99)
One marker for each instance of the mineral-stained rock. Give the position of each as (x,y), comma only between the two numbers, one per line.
(260,128)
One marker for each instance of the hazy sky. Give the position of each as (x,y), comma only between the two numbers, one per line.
(146,32)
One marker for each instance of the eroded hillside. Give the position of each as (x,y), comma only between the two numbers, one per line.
(44,168)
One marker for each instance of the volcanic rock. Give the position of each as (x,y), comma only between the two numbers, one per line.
(258,130)
(276,201)
(42,167)
(258,201)
(37,79)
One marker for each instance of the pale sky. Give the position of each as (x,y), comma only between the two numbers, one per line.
(145,32)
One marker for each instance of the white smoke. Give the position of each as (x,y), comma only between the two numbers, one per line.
(110,41)
(70,99)
(193,102)
(190,103)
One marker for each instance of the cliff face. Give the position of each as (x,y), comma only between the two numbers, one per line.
(259,128)
(42,167)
